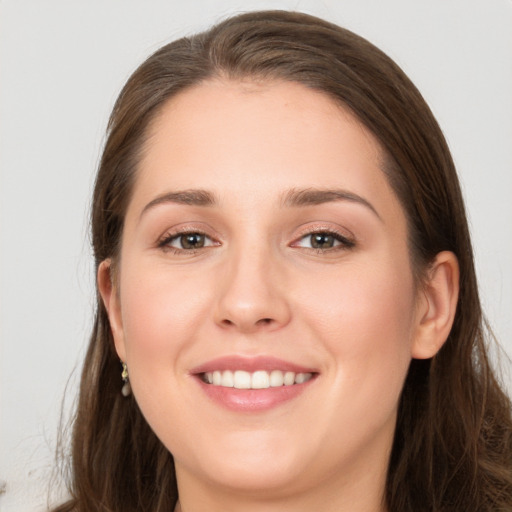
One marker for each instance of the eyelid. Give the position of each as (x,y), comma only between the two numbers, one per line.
(174,233)
(347,240)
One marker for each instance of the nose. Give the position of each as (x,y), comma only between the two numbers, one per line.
(252,293)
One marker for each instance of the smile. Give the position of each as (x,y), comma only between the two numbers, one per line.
(252,384)
(260,379)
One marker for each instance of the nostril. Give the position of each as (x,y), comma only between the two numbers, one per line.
(226,322)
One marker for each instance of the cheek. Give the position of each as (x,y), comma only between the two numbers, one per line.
(160,314)
(366,321)
(160,321)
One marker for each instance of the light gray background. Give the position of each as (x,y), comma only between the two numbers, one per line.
(62,65)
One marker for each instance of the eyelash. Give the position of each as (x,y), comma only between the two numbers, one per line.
(344,243)
(168,239)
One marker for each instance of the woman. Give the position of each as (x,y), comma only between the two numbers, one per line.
(285,272)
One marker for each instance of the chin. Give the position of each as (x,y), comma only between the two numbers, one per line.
(262,464)
(270,477)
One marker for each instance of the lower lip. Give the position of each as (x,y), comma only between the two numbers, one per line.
(253,400)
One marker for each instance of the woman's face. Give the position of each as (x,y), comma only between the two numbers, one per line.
(263,248)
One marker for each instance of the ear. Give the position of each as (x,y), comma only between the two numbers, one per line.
(437,306)
(109,292)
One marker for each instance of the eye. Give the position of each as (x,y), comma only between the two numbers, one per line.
(187,241)
(324,241)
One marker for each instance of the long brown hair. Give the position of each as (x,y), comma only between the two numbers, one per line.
(453,442)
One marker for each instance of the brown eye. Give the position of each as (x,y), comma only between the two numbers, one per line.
(191,241)
(322,241)
(187,241)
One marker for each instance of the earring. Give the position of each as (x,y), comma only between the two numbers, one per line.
(126,389)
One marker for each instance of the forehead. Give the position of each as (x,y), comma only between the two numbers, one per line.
(255,138)
(286,109)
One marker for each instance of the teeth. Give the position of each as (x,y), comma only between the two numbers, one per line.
(228,379)
(242,380)
(257,380)
(289,378)
(300,378)
(276,378)
(260,380)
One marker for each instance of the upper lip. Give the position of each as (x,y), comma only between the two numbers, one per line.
(250,364)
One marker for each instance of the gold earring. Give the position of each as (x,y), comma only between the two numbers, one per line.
(126,389)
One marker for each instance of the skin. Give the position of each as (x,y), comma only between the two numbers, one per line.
(352,312)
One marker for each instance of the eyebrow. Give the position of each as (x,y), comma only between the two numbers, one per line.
(192,197)
(292,198)
(312,196)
